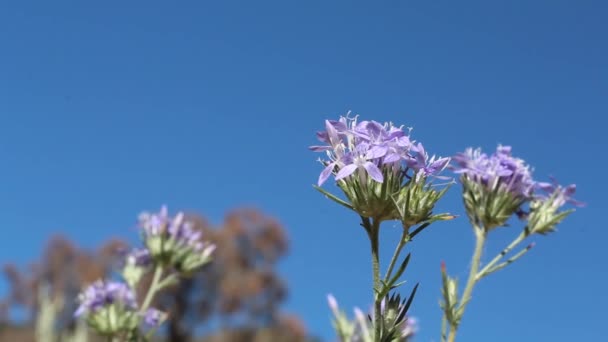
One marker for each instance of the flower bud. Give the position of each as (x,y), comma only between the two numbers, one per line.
(415,201)
(545,211)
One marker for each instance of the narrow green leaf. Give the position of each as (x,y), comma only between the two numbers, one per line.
(411,297)
(333,197)
(401,269)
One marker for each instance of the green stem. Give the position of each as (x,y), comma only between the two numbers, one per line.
(444,326)
(504,264)
(373,229)
(405,238)
(152,289)
(480,236)
(484,271)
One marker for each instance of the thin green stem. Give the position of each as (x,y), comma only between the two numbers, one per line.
(484,271)
(152,289)
(444,327)
(480,237)
(505,263)
(373,229)
(405,238)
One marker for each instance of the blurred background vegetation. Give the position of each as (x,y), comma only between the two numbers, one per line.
(235,298)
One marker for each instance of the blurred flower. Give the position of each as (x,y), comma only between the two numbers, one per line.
(562,195)
(545,211)
(109,307)
(137,262)
(139,257)
(154,317)
(101,294)
(499,171)
(495,187)
(174,241)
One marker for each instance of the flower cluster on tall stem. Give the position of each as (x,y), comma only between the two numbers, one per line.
(385,175)
(497,187)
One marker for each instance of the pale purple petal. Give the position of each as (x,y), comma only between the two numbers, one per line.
(326,173)
(346,171)
(376,152)
(374,171)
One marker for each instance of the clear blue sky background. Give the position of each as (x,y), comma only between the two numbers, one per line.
(109,108)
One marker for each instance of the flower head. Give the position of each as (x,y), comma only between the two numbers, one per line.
(499,171)
(109,307)
(371,162)
(174,240)
(495,186)
(545,209)
(367,147)
(102,294)
(561,195)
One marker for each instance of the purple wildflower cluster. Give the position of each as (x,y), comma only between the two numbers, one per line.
(174,241)
(370,148)
(176,229)
(499,171)
(176,232)
(102,294)
(502,171)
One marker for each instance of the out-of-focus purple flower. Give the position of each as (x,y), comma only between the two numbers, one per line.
(499,171)
(154,317)
(545,213)
(155,224)
(410,327)
(369,148)
(101,294)
(174,240)
(182,232)
(333,303)
(561,195)
(139,257)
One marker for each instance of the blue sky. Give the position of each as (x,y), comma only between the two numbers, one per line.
(107,109)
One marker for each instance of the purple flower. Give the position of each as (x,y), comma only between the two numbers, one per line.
(561,195)
(423,166)
(101,294)
(369,148)
(410,328)
(174,240)
(139,257)
(497,171)
(154,317)
(154,224)
(360,159)
(177,229)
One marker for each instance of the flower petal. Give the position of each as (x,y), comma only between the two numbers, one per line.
(374,172)
(326,173)
(346,171)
